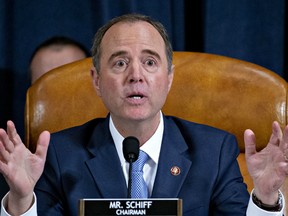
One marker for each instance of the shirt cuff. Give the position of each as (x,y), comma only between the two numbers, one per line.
(31,212)
(254,210)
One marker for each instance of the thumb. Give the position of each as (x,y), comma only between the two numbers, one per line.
(250,143)
(42,145)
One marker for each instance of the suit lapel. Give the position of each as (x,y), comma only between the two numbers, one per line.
(106,169)
(105,166)
(173,155)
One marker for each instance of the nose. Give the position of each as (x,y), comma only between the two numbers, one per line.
(135,73)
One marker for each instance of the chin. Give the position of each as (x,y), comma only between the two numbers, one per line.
(136,115)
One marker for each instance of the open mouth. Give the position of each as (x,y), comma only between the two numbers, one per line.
(137,97)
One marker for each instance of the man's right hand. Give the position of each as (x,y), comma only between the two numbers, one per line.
(20,167)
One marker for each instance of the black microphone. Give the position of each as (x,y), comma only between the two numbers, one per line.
(131,153)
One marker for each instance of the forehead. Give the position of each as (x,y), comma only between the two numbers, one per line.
(132,34)
(60,50)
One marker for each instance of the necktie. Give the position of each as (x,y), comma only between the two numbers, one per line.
(139,187)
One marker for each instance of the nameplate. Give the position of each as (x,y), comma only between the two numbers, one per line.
(152,207)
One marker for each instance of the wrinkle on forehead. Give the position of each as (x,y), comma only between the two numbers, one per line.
(134,35)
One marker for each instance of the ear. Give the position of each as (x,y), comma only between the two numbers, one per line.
(170,77)
(96,80)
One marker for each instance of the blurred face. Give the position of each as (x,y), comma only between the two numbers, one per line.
(49,58)
(133,80)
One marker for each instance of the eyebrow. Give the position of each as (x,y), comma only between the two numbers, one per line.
(146,51)
(119,53)
(151,52)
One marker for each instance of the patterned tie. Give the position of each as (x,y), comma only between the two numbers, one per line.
(139,187)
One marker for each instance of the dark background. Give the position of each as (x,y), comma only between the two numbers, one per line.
(251,30)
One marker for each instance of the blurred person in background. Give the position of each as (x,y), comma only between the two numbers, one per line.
(53,53)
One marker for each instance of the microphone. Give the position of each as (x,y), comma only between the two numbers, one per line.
(131,153)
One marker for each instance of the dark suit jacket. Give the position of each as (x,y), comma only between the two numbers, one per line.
(82,162)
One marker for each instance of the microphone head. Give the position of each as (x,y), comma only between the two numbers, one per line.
(131,149)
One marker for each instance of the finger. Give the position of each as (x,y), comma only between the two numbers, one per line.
(4,154)
(4,157)
(12,133)
(276,135)
(250,143)
(4,139)
(284,142)
(42,145)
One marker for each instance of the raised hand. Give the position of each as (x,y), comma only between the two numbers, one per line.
(268,167)
(20,167)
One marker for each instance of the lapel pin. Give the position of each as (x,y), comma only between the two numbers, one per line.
(175,170)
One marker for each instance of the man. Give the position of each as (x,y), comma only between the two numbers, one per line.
(53,53)
(133,74)
(50,54)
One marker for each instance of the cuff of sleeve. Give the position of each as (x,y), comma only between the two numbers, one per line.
(31,212)
(254,210)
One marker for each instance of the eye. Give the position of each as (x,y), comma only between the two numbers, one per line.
(150,65)
(150,62)
(120,63)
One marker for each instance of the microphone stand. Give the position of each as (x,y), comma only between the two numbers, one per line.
(129,179)
(131,153)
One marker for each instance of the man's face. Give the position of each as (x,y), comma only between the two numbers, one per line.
(54,56)
(133,80)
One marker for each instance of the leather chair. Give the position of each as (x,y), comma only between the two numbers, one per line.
(219,91)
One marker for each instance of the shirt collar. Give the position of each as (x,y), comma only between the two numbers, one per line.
(151,147)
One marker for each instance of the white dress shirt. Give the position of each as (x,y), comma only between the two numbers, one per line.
(152,148)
